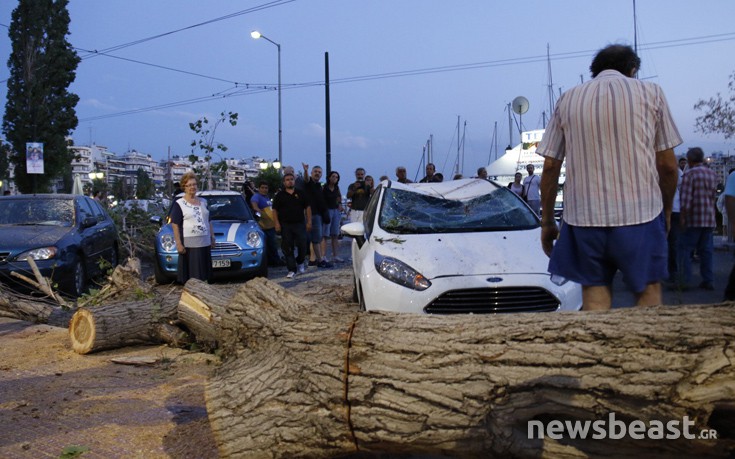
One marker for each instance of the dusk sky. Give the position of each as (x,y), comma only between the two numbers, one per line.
(400,70)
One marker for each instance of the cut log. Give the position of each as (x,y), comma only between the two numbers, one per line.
(316,381)
(122,324)
(200,306)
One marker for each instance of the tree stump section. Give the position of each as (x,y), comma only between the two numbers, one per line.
(122,324)
(309,380)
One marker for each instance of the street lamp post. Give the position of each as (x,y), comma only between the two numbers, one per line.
(256,35)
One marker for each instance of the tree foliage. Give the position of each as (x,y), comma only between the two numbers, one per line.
(145,188)
(206,146)
(272,177)
(5,150)
(39,107)
(719,113)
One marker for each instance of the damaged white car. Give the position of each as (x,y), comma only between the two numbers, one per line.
(462,246)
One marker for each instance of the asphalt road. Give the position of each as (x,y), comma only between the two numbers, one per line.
(724,258)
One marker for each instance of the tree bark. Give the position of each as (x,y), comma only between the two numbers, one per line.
(308,380)
(37,311)
(122,324)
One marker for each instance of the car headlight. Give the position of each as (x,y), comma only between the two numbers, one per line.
(168,243)
(400,273)
(558,280)
(254,239)
(43,253)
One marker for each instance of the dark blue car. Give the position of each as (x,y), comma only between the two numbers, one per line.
(66,235)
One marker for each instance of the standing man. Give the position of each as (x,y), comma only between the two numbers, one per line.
(359,193)
(430,170)
(617,136)
(260,202)
(531,190)
(697,218)
(730,211)
(318,213)
(675,228)
(401,175)
(292,217)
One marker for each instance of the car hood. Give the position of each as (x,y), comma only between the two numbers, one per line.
(230,228)
(488,253)
(20,237)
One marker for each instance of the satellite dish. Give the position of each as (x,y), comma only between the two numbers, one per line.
(520,105)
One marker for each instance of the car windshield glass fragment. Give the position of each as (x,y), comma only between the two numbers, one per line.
(37,211)
(406,212)
(227,208)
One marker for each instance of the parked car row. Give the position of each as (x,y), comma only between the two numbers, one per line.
(463,246)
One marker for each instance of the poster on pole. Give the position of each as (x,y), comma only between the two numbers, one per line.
(34,157)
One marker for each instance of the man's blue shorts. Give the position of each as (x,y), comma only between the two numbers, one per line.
(316,229)
(592,255)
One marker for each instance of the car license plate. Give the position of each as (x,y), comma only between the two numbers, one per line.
(225,263)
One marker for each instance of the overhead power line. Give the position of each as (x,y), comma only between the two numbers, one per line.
(247,89)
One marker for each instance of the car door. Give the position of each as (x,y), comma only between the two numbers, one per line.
(363,250)
(91,237)
(106,228)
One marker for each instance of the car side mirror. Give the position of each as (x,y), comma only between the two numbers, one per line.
(257,216)
(157,220)
(88,222)
(356,231)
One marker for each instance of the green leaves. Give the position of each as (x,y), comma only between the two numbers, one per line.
(39,107)
(206,145)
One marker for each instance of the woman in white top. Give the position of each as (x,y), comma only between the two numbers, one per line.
(193,233)
(516,186)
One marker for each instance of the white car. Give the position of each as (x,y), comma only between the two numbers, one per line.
(461,246)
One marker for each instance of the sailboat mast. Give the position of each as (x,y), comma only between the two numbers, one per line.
(456,168)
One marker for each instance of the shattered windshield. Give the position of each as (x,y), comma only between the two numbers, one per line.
(407,212)
(37,211)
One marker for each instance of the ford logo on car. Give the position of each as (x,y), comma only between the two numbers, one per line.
(495,279)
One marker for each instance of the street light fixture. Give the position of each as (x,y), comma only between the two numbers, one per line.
(257,35)
(264,165)
(96,175)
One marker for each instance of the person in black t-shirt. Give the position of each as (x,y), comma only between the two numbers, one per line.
(292,216)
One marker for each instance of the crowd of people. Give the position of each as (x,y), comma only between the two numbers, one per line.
(308,213)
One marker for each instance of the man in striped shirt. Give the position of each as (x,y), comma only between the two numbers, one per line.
(617,136)
(697,218)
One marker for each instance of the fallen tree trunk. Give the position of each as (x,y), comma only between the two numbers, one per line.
(308,380)
(123,324)
(32,310)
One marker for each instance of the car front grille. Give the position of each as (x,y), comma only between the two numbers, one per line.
(493,301)
(226,246)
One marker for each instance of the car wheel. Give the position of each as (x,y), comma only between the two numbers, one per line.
(355,298)
(79,279)
(113,259)
(263,271)
(159,275)
(361,300)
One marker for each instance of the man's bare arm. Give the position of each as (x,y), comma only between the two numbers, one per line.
(549,188)
(668,177)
